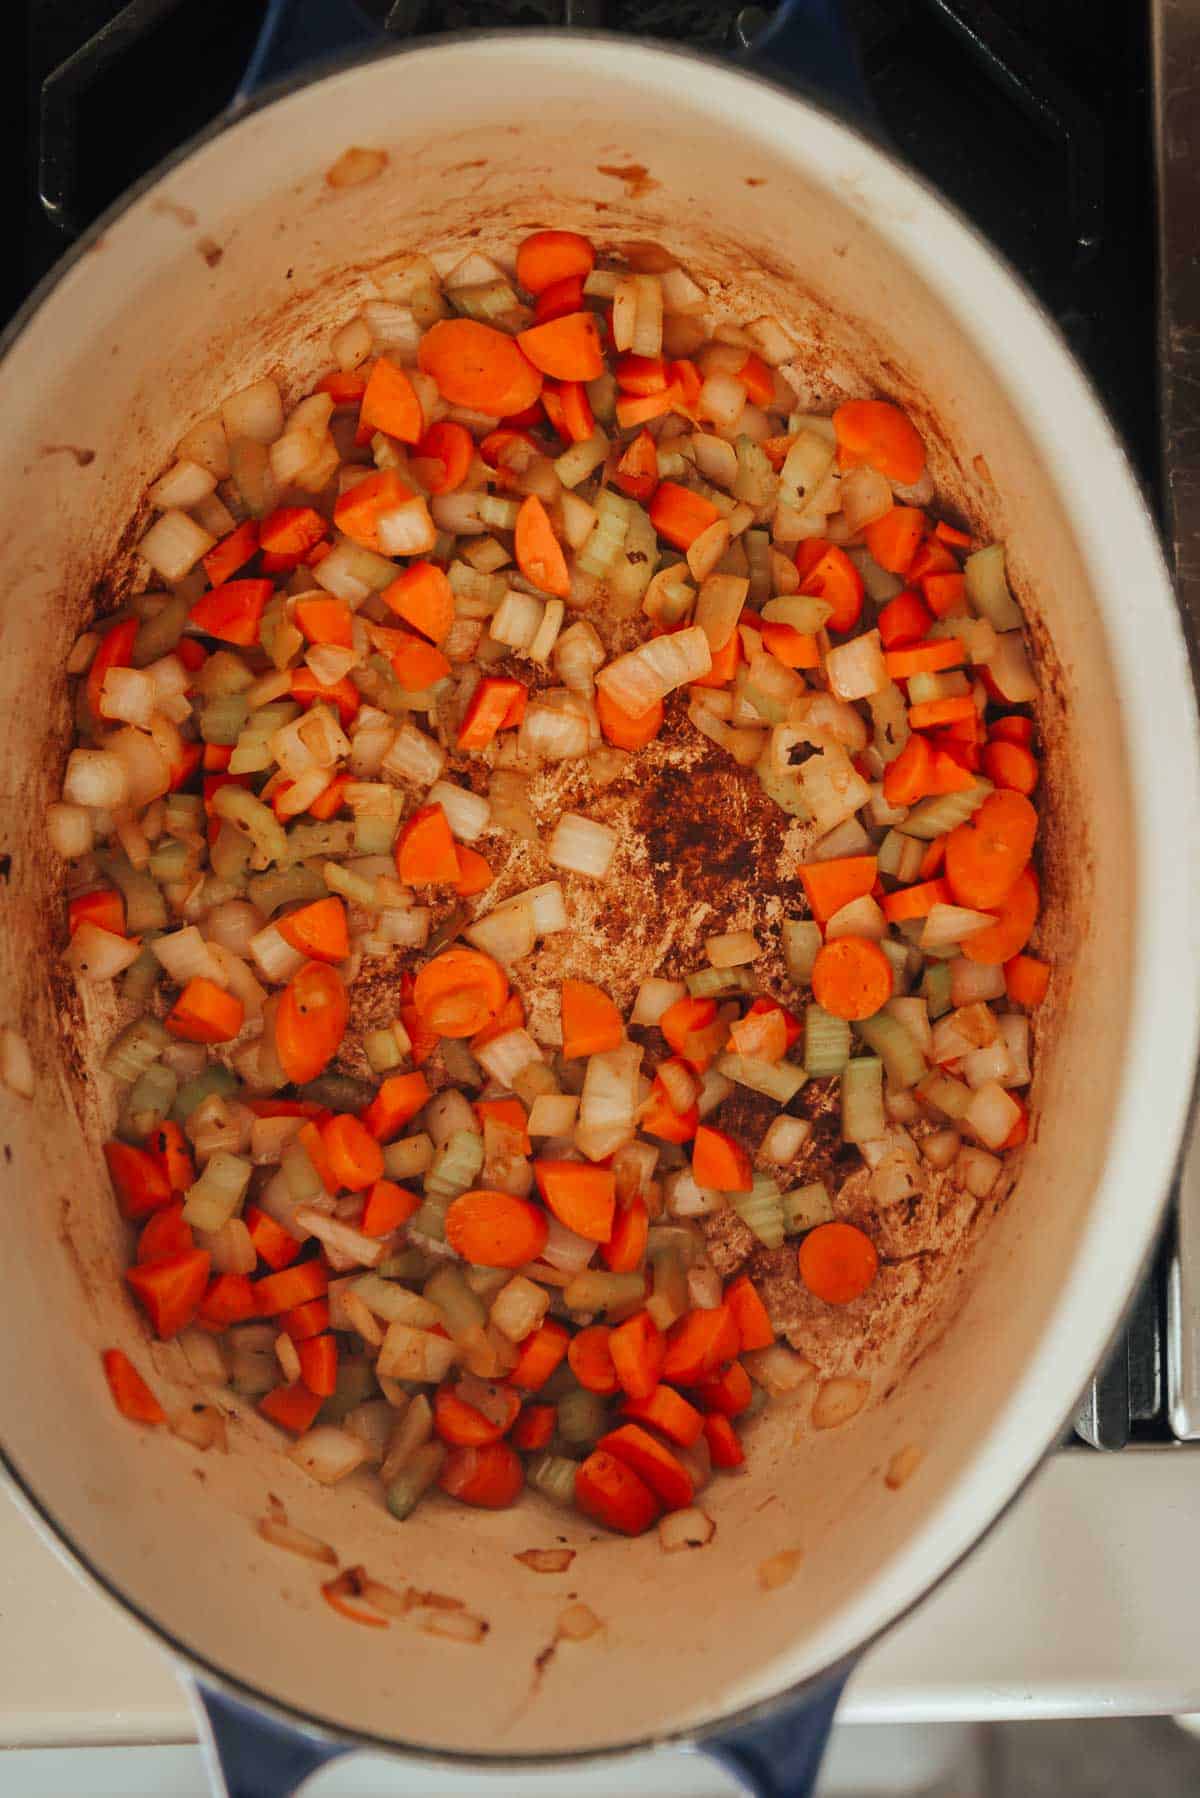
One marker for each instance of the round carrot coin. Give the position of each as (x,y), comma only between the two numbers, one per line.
(852,978)
(837,1262)
(985,855)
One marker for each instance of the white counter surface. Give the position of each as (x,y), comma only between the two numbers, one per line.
(1081,1602)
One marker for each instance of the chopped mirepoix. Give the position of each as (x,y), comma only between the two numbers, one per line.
(451,1233)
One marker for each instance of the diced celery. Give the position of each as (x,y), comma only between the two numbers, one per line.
(223,717)
(150,1100)
(355,1384)
(308,840)
(463,1310)
(137,1048)
(157,636)
(593,1290)
(141,977)
(935,988)
(456,1166)
(801,945)
(719,983)
(669,1298)
(239,807)
(863,1118)
(414,1479)
(761,1210)
(934,817)
(145,907)
(382,1050)
(217,1195)
(303,1181)
(988,589)
(826,1042)
(898,954)
(902,1058)
(216,1078)
(806,1206)
(582,1416)
(554,1477)
(407,1158)
(285,886)
(778,1080)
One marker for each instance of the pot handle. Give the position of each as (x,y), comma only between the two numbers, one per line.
(250,1755)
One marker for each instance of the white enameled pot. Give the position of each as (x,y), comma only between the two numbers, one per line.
(238,260)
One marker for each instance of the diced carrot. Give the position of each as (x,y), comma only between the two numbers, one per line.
(951,534)
(567,348)
(1014,728)
(460,1423)
(720,1162)
(397,1102)
(985,855)
(496,1229)
(932,557)
(558,299)
(294,1408)
(724,1444)
(625,1249)
(924,658)
(306,1320)
(1026,980)
(835,579)
(795,649)
(680,515)
(547,257)
(581,1196)
(345,386)
(190,753)
(311,1021)
(318,930)
(609,1491)
(476,366)
(904,621)
(229,1300)
(312,1140)
(232,612)
(852,977)
(686,1025)
(623,729)
(653,1462)
(387,1207)
(637,1347)
(538,551)
(1016,916)
(131,1395)
(945,594)
(754,1327)
(934,712)
(165,1234)
(633,410)
(474,872)
(569,410)
(510,1112)
(491,1476)
(487,711)
(1010,766)
(355,1158)
(511,1016)
(879,433)
(287,1108)
(660,1118)
(540,1353)
(324,619)
(591,1022)
(1020,1130)
(453,446)
(828,886)
(642,374)
(459,990)
(757,379)
(231,553)
(425,854)
(356,511)
(105,907)
(290,1287)
(390,402)
(343,694)
(416,664)
(728,1392)
(318,1364)
(669,1412)
(170,1291)
(685,377)
(422,596)
(636,473)
(916,901)
(933,860)
(272,1243)
(894,538)
(115,651)
(700,1344)
(288,534)
(590,1358)
(838,1262)
(140,1184)
(193,655)
(792,1027)
(535,1427)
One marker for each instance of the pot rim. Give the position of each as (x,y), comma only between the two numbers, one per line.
(709,1733)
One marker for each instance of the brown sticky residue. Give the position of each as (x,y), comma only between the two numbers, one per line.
(210,249)
(755,180)
(638,180)
(83,457)
(979,464)
(183,215)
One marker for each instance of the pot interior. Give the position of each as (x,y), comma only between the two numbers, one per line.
(240,260)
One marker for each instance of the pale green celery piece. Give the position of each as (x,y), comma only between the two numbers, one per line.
(761,1210)
(222,720)
(137,1047)
(593,1290)
(778,1080)
(863,1117)
(217,1195)
(145,907)
(382,1051)
(141,977)
(669,1295)
(719,983)
(303,1181)
(295,884)
(406,1264)
(216,1078)
(157,636)
(931,818)
(902,1058)
(826,1042)
(257,821)
(230,853)
(172,860)
(807,1206)
(312,838)
(935,989)
(414,1479)
(582,1416)
(355,1385)
(185,814)
(463,1310)
(150,1100)
(554,1477)
(456,1166)
(898,955)
(801,945)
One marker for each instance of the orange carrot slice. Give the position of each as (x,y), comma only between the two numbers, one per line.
(837,1262)
(538,552)
(567,348)
(852,977)
(581,1196)
(311,1021)
(495,1229)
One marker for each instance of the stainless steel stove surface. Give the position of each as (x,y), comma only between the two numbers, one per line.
(1038,120)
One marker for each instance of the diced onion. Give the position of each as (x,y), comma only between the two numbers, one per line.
(174,544)
(690,1528)
(734,949)
(992,1115)
(186,956)
(508,933)
(979,1171)
(654,997)
(553,1114)
(328,1454)
(99,955)
(947,924)
(95,778)
(69,829)
(856,669)
(551,734)
(255,412)
(582,846)
(506,1055)
(413,756)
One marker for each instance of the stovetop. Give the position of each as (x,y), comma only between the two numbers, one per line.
(1035,118)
